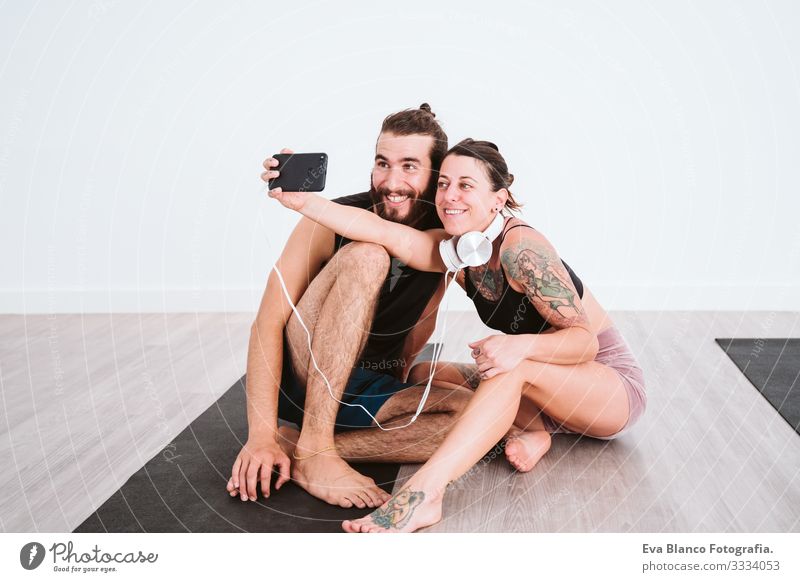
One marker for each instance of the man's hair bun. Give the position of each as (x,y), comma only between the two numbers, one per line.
(426,107)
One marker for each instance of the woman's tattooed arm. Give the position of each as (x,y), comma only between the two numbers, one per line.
(531,261)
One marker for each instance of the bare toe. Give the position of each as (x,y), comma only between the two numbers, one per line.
(379,496)
(331,479)
(524,450)
(369,498)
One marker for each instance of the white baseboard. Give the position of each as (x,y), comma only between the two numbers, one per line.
(698,297)
(130,300)
(628,297)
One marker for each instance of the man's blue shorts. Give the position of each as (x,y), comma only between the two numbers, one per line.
(369,388)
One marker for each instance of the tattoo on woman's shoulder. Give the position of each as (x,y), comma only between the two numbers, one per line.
(488,282)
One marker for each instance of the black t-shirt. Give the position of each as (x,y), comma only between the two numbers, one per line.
(403,297)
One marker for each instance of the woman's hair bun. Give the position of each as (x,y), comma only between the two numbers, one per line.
(509,180)
(426,107)
(493,146)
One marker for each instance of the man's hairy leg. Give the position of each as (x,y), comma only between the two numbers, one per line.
(414,443)
(342,314)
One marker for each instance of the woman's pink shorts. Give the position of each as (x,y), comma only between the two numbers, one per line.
(616,354)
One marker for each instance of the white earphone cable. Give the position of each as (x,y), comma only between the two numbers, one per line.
(437,349)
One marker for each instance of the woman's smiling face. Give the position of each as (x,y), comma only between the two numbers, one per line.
(464,197)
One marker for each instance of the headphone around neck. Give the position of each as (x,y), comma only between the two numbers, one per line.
(471,249)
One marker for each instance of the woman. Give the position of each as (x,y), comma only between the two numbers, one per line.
(560,364)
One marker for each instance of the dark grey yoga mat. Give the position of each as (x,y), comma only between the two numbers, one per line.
(773,367)
(182,489)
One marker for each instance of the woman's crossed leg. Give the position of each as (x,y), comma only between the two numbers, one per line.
(588,398)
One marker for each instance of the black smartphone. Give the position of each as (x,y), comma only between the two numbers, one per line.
(300,172)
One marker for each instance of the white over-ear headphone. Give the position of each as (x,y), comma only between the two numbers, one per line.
(471,249)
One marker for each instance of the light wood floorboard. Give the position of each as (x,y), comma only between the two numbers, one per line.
(709,455)
(88,399)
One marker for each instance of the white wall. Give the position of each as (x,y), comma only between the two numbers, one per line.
(655,143)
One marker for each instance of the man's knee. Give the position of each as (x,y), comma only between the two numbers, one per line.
(419,373)
(367,259)
(366,250)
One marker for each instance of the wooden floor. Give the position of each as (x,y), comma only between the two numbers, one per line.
(87,400)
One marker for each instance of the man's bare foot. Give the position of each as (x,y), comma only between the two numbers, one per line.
(407,511)
(525,448)
(363,492)
(328,477)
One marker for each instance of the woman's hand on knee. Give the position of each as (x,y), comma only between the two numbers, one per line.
(498,354)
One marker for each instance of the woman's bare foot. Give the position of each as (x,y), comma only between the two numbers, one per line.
(328,477)
(407,511)
(525,448)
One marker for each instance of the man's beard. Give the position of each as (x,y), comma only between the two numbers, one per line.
(420,205)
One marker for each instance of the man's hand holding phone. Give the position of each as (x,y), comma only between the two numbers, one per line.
(292,178)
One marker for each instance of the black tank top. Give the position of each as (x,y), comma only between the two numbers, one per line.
(403,297)
(513,313)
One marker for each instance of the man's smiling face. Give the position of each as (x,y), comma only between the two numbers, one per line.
(402,179)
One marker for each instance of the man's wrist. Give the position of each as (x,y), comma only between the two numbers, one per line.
(264,434)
